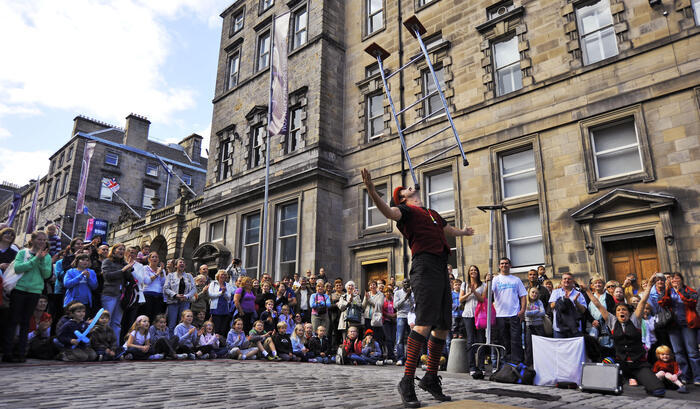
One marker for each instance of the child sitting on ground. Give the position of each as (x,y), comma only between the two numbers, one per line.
(237,343)
(39,337)
(263,340)
(371,351)
(162,342)
(138,341)
(82,351)
(320,347)
(287,318)
(283,344)
(352,348)
(103,340)
(199,318)
(186,335)
(666,368)
(208,342)
(299,350)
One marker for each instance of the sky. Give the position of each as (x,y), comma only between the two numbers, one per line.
(102,59)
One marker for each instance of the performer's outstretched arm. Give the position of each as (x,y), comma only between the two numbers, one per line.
(453,231)
(392,213)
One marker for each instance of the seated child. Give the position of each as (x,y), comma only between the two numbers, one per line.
(308,330)
(138,341)
(263,340)
(287,318)
(320,347)
(237,343)
(82,352)
(269,316)
(186,335)
(352,348)
(299,351)
(199,318)
(208,342)
(103,340)
(39,337)
(162,342)
(282,342)
(371,351)
(666,368)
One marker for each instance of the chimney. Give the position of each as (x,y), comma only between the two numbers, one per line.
(192,146)
(136,134)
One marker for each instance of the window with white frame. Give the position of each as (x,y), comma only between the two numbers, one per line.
(499,10)
(148,194)
(294,129)
(60,160)
(257,145)
(375,15)
(216,231)
(616,149)
(66,179)
(234,63)
(263,52)
(105,192)
(151,169)
(300,28)
(518,174)
(523,232)
(56,187)
(250,243)
(422,3)
(237,21)
(433,104)
(696,11)
(371,70)
(225,159)
(440,191)
(70,153)
(287,217)
(373,217)
(452,257)
(187,179)
(596,31)
(375,115)
(506,61)
(111,159)
(266,4)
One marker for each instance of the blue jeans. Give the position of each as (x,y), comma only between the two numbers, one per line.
(474,336)
(174,312)
(111,304)
(401,333)
(510,335)
(684,341)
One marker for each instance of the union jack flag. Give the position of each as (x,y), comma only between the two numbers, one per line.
(112,184)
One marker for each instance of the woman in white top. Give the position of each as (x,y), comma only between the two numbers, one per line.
(373,303)
(471,293)
(220,293)
(153,279)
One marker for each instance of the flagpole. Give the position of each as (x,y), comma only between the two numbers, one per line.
(127,204)
(176,175)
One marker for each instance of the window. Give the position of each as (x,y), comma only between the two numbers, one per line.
(518,175)
(56,187)
(286,239)
(506,61)
(48,191)
(432,104)
(375,15)
(371,70)
(151,169)
(70,153)
(524,237)
(250,243)
(266,4)
(64,187)
(111,159)
(225,159)
(597,34)
(257,146)
(375,115)
(148,194)
(300,25)
(51,165)
(237,22)
(373,217)
(422,3)
(696,11)
(440,191)
(263,56)
(60,160)
(616,149)
(499,10)
(234,63)
(105,192)
(187,179)
(216,231)
(294,129)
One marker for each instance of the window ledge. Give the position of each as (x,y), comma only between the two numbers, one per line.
(622,180)
(374,33)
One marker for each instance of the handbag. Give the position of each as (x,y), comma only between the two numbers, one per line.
(377,319)
(480,315)
(664,318)
(547,324)
(354,313)
(11,277)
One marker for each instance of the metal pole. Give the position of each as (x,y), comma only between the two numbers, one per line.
(263,224)
(167,187)
(127,204)
(72,229)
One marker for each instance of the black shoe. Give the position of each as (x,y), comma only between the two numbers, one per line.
(407,391)
(432,383)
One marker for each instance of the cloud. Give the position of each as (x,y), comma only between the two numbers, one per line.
(4,133)
(18,167)
(105,59)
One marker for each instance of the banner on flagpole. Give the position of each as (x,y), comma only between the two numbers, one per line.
(278,101)
(14,208)
(31,220)
(87,155)
(112,185)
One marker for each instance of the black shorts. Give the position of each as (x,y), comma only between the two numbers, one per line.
(431,289)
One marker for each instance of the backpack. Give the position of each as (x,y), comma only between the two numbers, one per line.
(567,317)
(512,373)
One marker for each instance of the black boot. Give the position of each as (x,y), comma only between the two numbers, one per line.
(407,391)
(432,383)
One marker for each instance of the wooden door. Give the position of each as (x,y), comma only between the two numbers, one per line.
(375,271)
(638,256)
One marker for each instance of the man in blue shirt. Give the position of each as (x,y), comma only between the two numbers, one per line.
(567,290)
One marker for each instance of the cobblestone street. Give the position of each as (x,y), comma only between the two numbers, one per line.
(226,384)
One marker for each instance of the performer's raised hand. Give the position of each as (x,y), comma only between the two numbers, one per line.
(367,179)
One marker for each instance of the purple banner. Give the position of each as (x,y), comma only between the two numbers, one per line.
(87,155)
(31,220)
(14,207)
(278,99)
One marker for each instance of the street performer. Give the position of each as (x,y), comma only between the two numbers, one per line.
(425,231)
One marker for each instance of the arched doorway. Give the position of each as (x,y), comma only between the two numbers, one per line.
(215,255)
(191,243)
(160,246)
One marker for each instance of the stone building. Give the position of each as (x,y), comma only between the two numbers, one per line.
(580,117)
(125,154)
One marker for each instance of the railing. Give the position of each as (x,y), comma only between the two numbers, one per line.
(194,203)
(162,213)
(138,224)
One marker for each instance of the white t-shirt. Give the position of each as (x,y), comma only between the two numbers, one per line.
(471,302)
(507,290)
(139,338)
